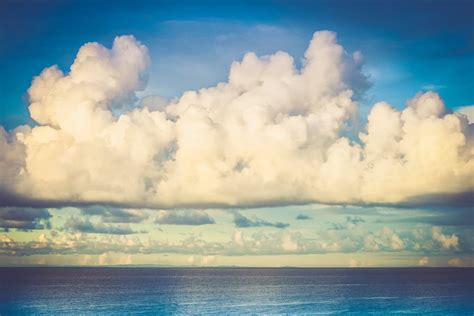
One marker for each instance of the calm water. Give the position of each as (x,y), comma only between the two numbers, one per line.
(235,291)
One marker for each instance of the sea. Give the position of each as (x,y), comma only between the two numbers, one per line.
(236,291)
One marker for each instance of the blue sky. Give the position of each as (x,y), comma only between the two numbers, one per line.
(181,183)
(408,46)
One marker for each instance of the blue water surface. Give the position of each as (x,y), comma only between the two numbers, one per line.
(51,291)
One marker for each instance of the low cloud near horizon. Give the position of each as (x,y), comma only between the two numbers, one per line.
(272,134)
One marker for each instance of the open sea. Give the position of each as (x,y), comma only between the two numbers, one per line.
(72,291)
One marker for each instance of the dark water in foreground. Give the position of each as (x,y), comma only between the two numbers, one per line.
(235,291)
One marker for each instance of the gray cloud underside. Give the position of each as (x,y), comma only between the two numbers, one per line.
(303,217)
(244,222)
(24,218)
(115,215)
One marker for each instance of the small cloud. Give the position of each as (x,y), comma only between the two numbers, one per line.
(288,243)
(194,218)
(303,217)
(125,260)
(433,87)
(191,260)
(353,263)
(354,219)
(238,238)
(5,239)
(114,259)
(468,111)
(207,260)
(424,261)
(393,239)
(396,242)
(445,241)
(244,222)
(201,260)
(456,262)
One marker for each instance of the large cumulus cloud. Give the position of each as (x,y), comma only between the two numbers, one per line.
(271,134)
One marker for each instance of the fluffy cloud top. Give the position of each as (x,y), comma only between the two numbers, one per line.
(271,134)
(445,241)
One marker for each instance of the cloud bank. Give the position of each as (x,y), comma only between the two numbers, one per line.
(271,134)
(99,240)
(244,222)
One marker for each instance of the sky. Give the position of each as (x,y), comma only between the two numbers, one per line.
(237,133)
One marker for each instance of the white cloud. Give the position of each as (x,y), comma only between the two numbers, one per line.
(456,262)
(112,259)
(191,260)
(390,239)
(237,243)
(353,263)
(288,244)
(201,260)
(208,260)
(270,134)
(238,238)
(424,261)
(397,243)
(446,241)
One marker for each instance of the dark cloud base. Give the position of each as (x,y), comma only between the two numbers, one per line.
(24,218)
(463,199)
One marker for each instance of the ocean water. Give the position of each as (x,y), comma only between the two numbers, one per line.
(72,291)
